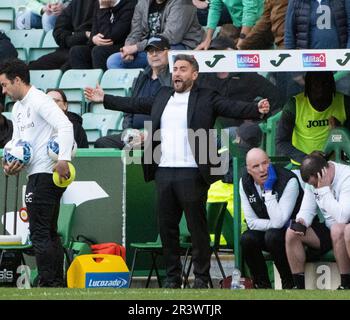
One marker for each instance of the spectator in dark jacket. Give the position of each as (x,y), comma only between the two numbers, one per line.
(316,25)
(6,128)
(73,27)
(7,51)
(79,133)
(308,25)
(246,86)
(110,27)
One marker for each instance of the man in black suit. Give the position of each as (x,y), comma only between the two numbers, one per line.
(182,165)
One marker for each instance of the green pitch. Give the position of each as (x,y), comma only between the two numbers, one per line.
(163,294)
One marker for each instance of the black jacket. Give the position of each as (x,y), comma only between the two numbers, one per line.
(79,132)
(242,86)
(7,49)
(302,14)
(114,23)
(6,130)
(73,22)
(204,107)
(283,177)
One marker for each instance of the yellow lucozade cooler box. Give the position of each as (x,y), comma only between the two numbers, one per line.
(98,271)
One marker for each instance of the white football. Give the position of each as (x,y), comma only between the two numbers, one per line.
(18,150)
(53,148)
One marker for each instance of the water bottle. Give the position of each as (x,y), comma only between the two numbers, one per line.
(236,279)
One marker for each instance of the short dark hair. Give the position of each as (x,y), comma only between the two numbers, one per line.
(313,164)
(13,68)
(60,91)
(189,58)
(321,76)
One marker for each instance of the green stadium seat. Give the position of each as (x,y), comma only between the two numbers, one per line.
(7,17)
(97,125)
(155,249)
(49,45)
(8,115)
(23,40)
(45,79)
(64,227)
(73,83)
(115,81)
(338,143)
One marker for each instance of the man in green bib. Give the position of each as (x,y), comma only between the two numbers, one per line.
(308,117)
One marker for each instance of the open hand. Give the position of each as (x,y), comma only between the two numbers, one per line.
(94,94)
(324,178)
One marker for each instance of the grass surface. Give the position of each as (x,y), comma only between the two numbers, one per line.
(163,294)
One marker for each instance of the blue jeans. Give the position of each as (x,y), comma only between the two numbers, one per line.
(115,60)
(46,22)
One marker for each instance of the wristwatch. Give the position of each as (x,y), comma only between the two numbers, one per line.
(242,36)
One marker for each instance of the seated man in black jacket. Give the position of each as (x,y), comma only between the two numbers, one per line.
(110,27)
(73,27)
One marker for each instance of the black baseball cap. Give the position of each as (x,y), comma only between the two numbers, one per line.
(158,42)
(250,134)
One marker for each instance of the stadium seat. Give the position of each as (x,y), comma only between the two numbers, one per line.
(155,249)
(73,83)
(8,115)
(119,81)
(97,125)
(45,79)
(338,143)
(64,228)
(23,40)
(116,82)
(49,45)
(7,17)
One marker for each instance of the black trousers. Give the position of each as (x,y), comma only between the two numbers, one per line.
(183,190)
(43,203)
(253,242)
(85,57)
(55,60)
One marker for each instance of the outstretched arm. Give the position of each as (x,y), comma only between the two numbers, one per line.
(226,107)
(130,105)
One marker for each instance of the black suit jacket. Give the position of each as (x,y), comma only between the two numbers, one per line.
(204,106)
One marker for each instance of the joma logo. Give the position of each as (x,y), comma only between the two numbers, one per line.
(317,123)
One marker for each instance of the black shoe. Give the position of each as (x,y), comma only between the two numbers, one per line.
(262,285)
(172,285)
(287,284)
(200,284)
(343,288)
